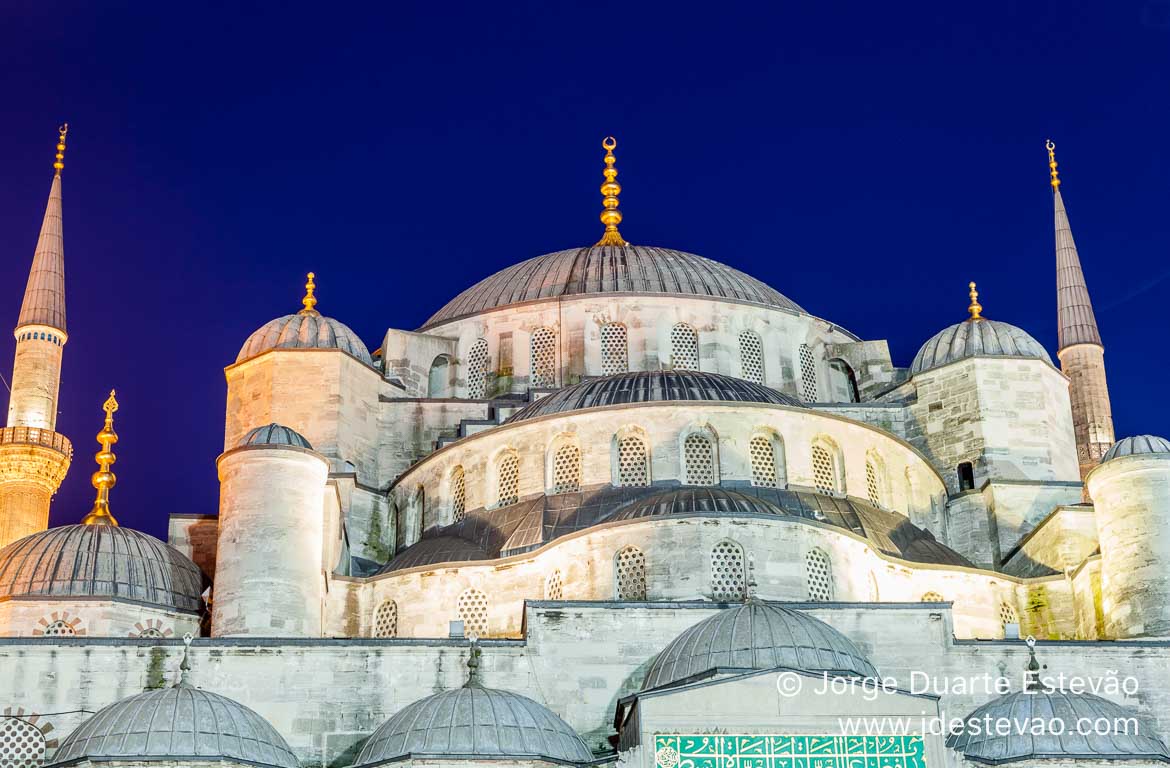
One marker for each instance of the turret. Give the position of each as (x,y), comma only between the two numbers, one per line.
(269,575)
(33,456)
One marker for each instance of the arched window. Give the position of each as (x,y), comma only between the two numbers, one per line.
(630,574)
(633,465)
(875,594)
(808,375)
(477,364)
(150,628)
(614,349)
(933,597)
(699,460)
(1008,615)
(566,469)
(507,479)
(843,382)
(544,358)
(767,461)
(386,619)
(751,356)
(473,612)
(58,625)
(439,379)
(554,588)
(966,476)
(727,572)
(824,466)
(818,569)
(22,743)
(875,481)
(684,347)
(151,632)
(458,490)
(58,629)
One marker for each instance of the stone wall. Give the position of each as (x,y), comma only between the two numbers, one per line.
(92,618)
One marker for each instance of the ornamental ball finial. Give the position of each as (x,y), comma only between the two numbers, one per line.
(103,480)
(610,190)
(975,308)
(310,301)
(60,161)
(1054,176)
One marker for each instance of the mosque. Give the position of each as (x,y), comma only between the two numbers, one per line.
(616,504)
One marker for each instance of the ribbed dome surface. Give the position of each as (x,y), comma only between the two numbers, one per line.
(474,722)
(308,330)
(1137,445)
(757,635)
(275,434)
(100,561)
(971,339)
(181,724)
(632,269)
(650,387)
(1023,709)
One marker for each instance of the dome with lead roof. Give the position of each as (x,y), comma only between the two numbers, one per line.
(275,434)
(307,329)
(1138,445)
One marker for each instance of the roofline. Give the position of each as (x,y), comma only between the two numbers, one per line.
(479,758)
(270,350)
(161,758)
(110,598)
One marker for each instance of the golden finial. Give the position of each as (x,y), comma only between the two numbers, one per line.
(60,163)
(610,190)
(103,480)
(310,300)
(976,308)
(1052,163)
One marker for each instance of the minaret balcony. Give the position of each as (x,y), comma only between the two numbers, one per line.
(45,438)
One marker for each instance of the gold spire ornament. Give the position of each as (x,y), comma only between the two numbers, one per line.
(103,480)
(310,300)
(975,308)
(1052,164)
(60,162)
(610,190)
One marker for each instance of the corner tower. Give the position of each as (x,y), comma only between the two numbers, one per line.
(33,456)
(1081,353)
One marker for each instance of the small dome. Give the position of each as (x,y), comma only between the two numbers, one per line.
(304,330)
(981,338)
(633,269)
(474,722)
(275,434)
(652,386)
(1137,445)
(108,561)
(1023,708)
(757,635)
(180,724)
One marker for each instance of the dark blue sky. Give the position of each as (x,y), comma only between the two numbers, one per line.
(865,159)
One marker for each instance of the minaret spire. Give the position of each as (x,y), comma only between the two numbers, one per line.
(44,296)
(1080,349)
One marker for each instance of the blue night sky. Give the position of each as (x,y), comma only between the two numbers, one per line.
(866,160)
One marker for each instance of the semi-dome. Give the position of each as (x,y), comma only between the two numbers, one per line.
(977,338)
(307,329)
(652,386)
(176,725)
(633,269)
(475,722)
(104,561)
(757,635)
(1112,741)
(275,434)
(1136,446)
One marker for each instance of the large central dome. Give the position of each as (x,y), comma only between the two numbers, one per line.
(611,269)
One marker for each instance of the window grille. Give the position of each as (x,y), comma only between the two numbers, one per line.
(933,597)
(458,494)
(22,745)
(151,632)
(386,619)
(1007,615)
(684,347)
(473,610)
(872,484)
(554,588)
(508,478)
(808,375)
(477,362)
(632,464)
(614,349)
(59,628)
(631,574)
(763,461)
(544,358)
(824,473)
(567,469)
(727,572)
(751,354)
(700,460)
(819,573)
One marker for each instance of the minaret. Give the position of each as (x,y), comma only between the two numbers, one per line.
(33,456)
(1081,353)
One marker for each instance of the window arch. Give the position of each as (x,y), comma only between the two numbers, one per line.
(826,467)
(728,575)
(630,574)
(875,594)
(632,461)
(473,612)
(59,624)
(875,480)
(457,488)
(818,569)
(751,356)
(933,597)
(700,462)
(684,347)
(150,628)
(554,586)
(507,479)
(439,377)
(24,743)
(477,365)
(614,349)
(386,619)
(766,451)
(544,358)
(808,375)
(843,382)
(566,469)
(966,474)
